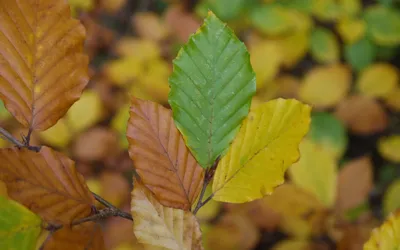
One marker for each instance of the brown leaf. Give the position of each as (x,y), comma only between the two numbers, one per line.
(161,157)
(355,181)
(96,144)
(47,183)
(363,115)
(87,236)
(42,68)
(160,227)
(181,23)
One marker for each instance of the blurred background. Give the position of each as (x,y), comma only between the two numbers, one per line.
(340,56)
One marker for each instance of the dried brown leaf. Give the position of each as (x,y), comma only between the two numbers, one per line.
(355,181)
(42,68)
(161,157)
(87,236)
(47,183)
(160,227)
(363,115)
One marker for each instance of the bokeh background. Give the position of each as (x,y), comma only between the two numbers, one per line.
(340,56)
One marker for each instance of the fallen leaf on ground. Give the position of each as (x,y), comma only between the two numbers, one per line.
(389,148)
(378,80)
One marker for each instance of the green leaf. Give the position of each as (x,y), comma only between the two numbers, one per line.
(227,9)
(271,19)
(360,54)
(324,46)
(19,227)
(211,89)
(327,131)
(383,25)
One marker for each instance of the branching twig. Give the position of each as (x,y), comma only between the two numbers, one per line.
(113,210)
(15,141)
(207,178)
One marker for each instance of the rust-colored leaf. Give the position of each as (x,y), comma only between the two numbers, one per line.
(87,236)
(47,183)
(161,157)
(355,181)
(42,68)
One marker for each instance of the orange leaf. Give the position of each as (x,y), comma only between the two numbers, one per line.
(161,157)
(43,70)
(47,183)
(355,181)
(86,236)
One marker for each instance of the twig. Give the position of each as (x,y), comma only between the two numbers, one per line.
(113,210)
(15,141)
(207,178)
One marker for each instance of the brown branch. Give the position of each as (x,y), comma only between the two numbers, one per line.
(116,212)
(9,137)
(207,179)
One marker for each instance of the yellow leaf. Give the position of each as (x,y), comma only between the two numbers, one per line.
(387,236)
(301,212)
(350,7)
(141,49)
(392,100)
(391,200)
(85,112)
(326,10)
(120,123)
(351,30)
(83,5)
(59,135)
(292,245)
(159,227)
(378,80)
(316,172)
(301,22)
(389,148)
(265,70)
(325,86)
(266,145)
(293,48)
(124,70)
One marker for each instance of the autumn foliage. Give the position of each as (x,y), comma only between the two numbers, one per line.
(204,151)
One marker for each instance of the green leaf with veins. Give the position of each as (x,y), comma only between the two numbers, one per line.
(212,85)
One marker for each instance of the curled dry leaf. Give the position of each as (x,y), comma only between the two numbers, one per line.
(362,114)
(43,68)
(355,181)
(325,86)
(87,236)
(266,145)
(159,227)
(161,157)
(47,183)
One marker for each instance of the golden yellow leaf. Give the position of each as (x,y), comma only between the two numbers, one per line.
(265,69)
(124,70)
(141,49)
(316,172)
(378,80)
(149,26)
(301,212)
(351,30)
(293,48)
(387,236)
(391,199)
(120,123)
(43,70)
(292,245)
(266,145)
(325,86)
(85,112)
(159,227)
(389,148)
(301,22)
(59,135)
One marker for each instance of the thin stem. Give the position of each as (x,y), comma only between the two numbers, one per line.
(116,211)
(15,141)
(207,179)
